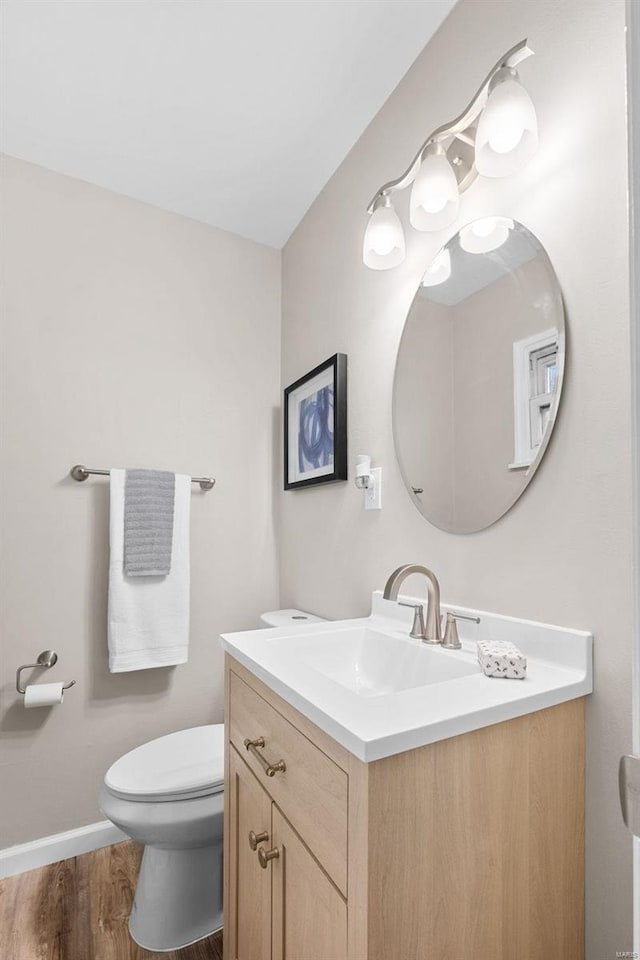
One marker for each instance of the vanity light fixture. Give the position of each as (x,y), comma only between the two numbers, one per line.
(483,236)
(494,136)
(435,198)
(384,237)
(507,134)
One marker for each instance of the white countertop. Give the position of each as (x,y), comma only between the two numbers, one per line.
(373,723)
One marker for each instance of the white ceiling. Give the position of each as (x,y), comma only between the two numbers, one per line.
(233,112)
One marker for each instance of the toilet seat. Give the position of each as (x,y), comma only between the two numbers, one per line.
(180,766)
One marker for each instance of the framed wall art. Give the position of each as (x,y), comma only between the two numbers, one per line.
(315,426)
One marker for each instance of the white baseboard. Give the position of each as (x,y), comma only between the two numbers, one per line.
(59,846)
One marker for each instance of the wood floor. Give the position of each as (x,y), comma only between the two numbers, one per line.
(77,910)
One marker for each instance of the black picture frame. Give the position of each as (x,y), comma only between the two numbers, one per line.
(333,372)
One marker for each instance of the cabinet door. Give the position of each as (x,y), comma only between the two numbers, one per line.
(309,914)
(247,929)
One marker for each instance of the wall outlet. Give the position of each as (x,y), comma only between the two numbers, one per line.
(373,493)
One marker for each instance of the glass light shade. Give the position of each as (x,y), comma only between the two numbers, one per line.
(507,134)
(384,245)
(439,269)
(435,198)
(483,236)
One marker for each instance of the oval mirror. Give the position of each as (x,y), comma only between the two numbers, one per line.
(479,375)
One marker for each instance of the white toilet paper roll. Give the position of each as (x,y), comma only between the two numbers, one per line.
(43,694)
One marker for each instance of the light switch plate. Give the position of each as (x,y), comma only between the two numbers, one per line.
(373,493)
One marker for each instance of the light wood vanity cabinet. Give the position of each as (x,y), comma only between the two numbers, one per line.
(313,791)
(290,908)
(309,914)
(249,809)
(471,848)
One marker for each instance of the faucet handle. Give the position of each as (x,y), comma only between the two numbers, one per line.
(418,628)
(451,638)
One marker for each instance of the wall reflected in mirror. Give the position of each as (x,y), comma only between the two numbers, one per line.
(479,375)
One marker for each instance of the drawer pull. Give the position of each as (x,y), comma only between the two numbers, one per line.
(265,855)
(256,838)
(254,747)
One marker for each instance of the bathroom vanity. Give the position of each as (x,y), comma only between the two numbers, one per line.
(373,813)
(384,799)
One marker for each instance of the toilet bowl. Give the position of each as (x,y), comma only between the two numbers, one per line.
(168,794)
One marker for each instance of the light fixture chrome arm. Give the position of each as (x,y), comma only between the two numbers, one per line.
(459,129)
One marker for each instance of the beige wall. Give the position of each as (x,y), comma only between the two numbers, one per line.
(563,553)
(131,337)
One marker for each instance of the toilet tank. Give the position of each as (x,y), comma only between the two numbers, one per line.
(288,618)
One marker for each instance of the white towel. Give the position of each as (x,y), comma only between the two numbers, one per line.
(149,616)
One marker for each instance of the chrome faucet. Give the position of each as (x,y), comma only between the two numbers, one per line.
(432,630)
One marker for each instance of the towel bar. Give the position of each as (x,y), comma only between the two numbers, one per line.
(80,473)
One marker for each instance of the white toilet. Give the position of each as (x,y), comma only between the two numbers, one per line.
(168,795)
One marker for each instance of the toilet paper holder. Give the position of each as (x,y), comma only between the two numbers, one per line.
(46,659)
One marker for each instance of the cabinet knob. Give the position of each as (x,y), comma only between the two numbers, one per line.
(265,855)
(256,838)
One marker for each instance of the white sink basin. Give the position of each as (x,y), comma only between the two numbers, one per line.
(378,692)
(371,664)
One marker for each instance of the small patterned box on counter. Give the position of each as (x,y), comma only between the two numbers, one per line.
(498,658)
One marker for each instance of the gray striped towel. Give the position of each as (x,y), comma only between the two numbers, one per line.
(148,522)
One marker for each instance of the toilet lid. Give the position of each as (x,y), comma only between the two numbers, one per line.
(182,765)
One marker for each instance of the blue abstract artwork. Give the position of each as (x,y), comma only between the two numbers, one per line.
(315,426)
(315,430)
